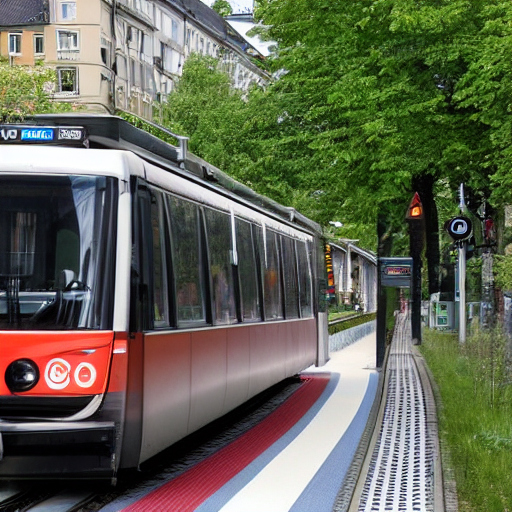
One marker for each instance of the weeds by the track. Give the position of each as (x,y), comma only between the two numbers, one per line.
(475,420)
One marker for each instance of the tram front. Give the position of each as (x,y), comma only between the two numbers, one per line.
(61,359)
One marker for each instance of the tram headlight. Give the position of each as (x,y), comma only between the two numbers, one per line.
(21,375)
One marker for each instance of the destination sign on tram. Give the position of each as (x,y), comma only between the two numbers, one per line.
(30,134)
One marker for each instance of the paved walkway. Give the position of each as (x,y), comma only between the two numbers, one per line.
(307,475)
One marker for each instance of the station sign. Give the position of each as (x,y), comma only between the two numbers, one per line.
(32,134)
(396,272)
(459,228)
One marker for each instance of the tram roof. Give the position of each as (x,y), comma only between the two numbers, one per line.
(113,132)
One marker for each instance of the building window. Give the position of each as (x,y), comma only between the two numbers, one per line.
(68,11)
(67,80)
(38,43)
(174,30)
(67,40)
(14,44)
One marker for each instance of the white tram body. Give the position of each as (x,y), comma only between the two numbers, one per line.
(143,294)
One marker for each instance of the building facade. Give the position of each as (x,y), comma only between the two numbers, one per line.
(121,54)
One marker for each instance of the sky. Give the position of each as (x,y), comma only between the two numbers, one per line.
(237,5)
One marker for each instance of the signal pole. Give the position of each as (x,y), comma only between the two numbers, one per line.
(415,218)
(460,229)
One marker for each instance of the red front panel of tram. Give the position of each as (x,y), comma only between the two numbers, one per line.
(69,363)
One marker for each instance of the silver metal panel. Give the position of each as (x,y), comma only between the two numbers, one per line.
(123,260)
(166,399)
(208,376)
(238,365)
(323,340)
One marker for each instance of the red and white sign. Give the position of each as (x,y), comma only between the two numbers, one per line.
(57,373)
(85,375)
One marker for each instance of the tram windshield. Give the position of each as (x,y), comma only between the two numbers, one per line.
(57,249)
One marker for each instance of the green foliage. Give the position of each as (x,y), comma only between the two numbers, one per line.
(207,109)
(384,91)
(26,91)
(222,7)
(155,130)
(502,268)
(474,417)
(372,96)
(351,322)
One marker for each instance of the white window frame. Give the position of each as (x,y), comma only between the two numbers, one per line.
(37,37)
(74,92)
(74,48)
(68,17)
(15,36)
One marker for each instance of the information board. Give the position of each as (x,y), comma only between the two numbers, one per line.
(395,272)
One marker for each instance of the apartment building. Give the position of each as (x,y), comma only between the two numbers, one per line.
(22,25)
(124,54)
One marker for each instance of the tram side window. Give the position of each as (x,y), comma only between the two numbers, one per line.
(187,261)
(291,298)
(247,272)
(218,228)
(270,270)
(160,301)
(305,288)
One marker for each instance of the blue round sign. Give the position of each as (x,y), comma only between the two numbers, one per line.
(459,228)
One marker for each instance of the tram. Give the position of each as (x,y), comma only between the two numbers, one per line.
(143,294)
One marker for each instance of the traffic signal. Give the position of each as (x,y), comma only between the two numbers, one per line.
(415,210)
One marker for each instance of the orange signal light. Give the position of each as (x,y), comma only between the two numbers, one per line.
(415,210)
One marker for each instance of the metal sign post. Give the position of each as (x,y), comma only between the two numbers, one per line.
(460,229)
(462,292)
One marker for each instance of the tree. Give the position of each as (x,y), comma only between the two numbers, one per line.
(375,100)
(209,111)
(394,96)
(26,91)
(222,7)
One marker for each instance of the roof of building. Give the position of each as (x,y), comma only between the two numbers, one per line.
(23,12)
(200,12)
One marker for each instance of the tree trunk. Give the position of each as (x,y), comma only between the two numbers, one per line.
(424,185)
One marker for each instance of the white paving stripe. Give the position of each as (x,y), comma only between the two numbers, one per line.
(280,483)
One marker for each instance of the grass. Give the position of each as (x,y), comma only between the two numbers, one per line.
(336,315)
(475,417)
(352,322)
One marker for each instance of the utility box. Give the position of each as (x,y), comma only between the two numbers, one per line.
(442,315)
